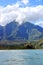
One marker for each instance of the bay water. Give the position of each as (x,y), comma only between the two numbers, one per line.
(21,57)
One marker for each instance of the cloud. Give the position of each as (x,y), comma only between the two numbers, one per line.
(25,1)
(21,14)
(40,23)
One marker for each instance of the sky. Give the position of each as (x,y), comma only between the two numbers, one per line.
(21,11)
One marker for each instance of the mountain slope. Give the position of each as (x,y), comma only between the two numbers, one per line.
(1,32)
(29,32)
(10,29)
(26,31)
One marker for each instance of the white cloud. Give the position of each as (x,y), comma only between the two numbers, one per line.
(25,1)
(40,23)
(20,14)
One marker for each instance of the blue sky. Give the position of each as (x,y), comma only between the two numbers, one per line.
(36,2)
(31,2)
(21,10)
(7,2)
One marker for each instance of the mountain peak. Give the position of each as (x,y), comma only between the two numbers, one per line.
(27,31)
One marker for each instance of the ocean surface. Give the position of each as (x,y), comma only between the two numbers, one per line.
(21,57)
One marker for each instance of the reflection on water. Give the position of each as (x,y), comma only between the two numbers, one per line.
(21,57)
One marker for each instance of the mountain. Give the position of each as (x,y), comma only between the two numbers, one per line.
(1,32)
(29,31)
(10,28)
(26,31)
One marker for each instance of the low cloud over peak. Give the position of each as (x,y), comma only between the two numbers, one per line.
(20,14)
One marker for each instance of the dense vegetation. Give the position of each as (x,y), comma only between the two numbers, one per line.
(21,45)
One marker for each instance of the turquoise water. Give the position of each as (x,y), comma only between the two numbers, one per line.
(21,57)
